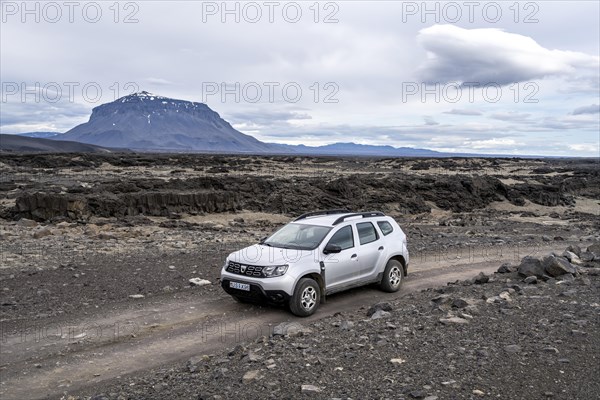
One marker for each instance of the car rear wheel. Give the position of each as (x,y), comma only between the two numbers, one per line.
(306,298)
(392,276)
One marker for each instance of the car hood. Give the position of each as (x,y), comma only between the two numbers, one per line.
(259,254)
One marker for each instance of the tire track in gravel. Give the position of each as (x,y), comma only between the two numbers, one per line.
(123,342)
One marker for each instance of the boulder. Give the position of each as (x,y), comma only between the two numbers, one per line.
(506,268)
(290,329)
(557,266)
(379,306)
(531,266)
(572,257)
(574,249)
(380,314)
(481,279)
(595,249)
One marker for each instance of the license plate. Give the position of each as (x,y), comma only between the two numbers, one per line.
(240,286)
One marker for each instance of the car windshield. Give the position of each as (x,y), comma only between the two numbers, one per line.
(298,236)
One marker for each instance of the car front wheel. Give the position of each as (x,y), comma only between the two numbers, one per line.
(392,276)
(306,298)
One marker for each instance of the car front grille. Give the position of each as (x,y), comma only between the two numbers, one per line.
(244,269)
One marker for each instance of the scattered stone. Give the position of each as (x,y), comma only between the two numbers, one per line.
(253,357)
(512,348)
(193,364)
(459,303)
(550,349)
(572,257)
(546,238)
(454,320)
(42,233)
(478,392)
(136,296)
(199,282)
(380,314)
(346,325)
(379,306)
(531,280)
(557,266)
(417,394)
(251,376)
(397,361)
(586,256)
(290,329)
(311,389)
(565,278)
(506,268)
(531,266)
(574,249)
(595,249)
(481,279)
(27,223)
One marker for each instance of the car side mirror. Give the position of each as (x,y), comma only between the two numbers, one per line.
(332,248)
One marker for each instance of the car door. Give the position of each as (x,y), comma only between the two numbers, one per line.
(370,249)
(342,267)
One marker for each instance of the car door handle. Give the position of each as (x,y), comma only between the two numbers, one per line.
(353,256)
(380,248)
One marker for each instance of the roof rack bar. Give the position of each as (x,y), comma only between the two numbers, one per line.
(324,212)
(364,215)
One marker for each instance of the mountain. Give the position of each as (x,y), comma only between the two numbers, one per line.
(40,135)
(353,149)
(24,144)
(147,122)
(143,121)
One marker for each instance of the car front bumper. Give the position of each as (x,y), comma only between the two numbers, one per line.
(256,292)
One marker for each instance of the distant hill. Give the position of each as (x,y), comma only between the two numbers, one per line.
(143,121)
(349,149)
(40,135)
(147,122)
(23,144)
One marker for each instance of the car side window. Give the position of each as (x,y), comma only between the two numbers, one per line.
(386,227)
(366,232)
(343,238)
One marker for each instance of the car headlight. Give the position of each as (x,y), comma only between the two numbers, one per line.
(274,270)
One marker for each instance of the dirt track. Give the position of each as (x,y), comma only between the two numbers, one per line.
(106,345)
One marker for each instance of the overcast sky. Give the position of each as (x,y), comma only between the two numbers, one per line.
(484,77)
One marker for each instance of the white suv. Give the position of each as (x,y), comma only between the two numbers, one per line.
(317,254)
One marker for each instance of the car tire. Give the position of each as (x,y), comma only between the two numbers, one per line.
(306,298)
(392,277)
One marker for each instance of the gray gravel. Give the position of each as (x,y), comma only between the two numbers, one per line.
(502,338)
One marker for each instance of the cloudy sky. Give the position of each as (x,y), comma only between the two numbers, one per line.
(484,77)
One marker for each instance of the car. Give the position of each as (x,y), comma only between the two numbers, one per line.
(315,255)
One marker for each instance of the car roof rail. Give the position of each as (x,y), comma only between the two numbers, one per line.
(324,212)
(363,214)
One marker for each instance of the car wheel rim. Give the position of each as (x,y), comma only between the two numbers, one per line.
(395,276)
(308,298)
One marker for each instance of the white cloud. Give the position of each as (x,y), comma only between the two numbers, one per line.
(492,55)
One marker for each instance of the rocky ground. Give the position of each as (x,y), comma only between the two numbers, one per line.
(505,336)
(87,235)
